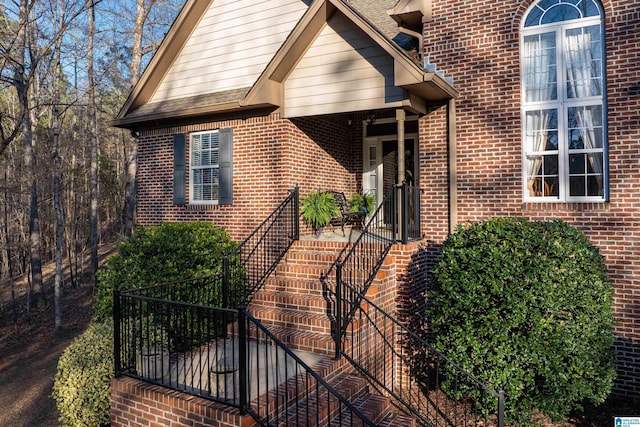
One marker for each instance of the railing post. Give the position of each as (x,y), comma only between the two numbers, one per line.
(404,213)
(338,331)
(116,332)
(296,210)
(242,359)
(501,407)
(394,213)
(225,281)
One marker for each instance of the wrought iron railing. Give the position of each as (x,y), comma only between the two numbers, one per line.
(259,254)
(226,356)
(372,336)
(420,380)
(358,265)
(283,390)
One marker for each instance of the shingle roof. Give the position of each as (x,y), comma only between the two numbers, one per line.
(191,102)
(375,11)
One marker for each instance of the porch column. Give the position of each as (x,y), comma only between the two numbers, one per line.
(451,164)
(400,118)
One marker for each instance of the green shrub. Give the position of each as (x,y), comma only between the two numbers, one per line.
(318,207)
(81,384)
(526,306)
(161,254)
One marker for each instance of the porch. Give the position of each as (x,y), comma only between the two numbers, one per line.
(294,332)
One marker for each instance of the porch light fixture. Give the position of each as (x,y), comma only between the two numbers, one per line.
(371,118)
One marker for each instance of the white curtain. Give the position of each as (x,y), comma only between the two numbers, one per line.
(584,80)
(539,69)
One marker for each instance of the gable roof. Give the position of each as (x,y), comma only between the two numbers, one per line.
(267,91)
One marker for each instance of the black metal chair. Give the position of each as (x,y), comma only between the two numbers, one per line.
(346,217)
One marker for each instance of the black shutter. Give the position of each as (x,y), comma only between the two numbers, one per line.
(179,169)
(225,159)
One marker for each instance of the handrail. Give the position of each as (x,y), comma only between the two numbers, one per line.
(383,361)
(258,255)
(361,263)
(223,355)
(416,383)
(297,394)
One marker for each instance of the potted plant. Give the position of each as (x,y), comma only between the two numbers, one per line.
(318,207)
(362,202)
(151,338)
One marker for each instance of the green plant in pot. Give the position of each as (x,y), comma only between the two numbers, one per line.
(152,343)
(362,202)
(318,207)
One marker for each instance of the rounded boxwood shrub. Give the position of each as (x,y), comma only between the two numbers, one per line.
(81,385)
(526,306)
(161,254)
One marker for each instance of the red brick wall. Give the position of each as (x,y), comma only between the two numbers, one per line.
(477,42)
(137,403)
(270,156)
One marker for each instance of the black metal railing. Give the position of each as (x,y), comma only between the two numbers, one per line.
(176,344)
(259,254)
(377,345)
(282,389)
(358,264)
(420,380)
(226,356)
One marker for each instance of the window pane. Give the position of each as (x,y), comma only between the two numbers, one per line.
(204,166)
(576,186)
(550,165)
(551,187)
(576,164)
(552,141)
(539,67)
(595,186)
(559,13)
(534,17)
(541,130)
(585,127)
(594,163)
(583,59)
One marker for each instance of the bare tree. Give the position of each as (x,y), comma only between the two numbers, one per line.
(130,192)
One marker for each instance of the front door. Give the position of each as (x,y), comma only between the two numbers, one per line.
(381,164)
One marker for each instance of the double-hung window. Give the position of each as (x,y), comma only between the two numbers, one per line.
(210,166)
(204,167)
(563,102)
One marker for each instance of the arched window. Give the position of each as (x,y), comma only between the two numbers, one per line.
(563,102)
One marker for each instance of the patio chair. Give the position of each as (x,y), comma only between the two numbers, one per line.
(346,217)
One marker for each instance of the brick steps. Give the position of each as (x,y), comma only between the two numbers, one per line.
(296,339)
(294,304)
(308,321)
(393,419)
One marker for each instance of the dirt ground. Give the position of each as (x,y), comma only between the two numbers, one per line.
(30,348)
(29,352)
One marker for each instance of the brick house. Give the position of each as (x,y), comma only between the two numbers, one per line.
(508,108)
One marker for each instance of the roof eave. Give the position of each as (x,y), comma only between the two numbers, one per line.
(147,120)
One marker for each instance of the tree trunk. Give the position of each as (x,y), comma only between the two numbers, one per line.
(29,152)
(93,125)
(57,190)
(130,191)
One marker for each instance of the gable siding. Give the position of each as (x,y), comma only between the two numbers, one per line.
(343,70)
(232,44)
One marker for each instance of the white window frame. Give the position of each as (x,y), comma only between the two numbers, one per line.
(562,104)
(192,184)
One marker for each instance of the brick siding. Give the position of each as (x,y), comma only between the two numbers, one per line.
(477,42)
(270,156)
